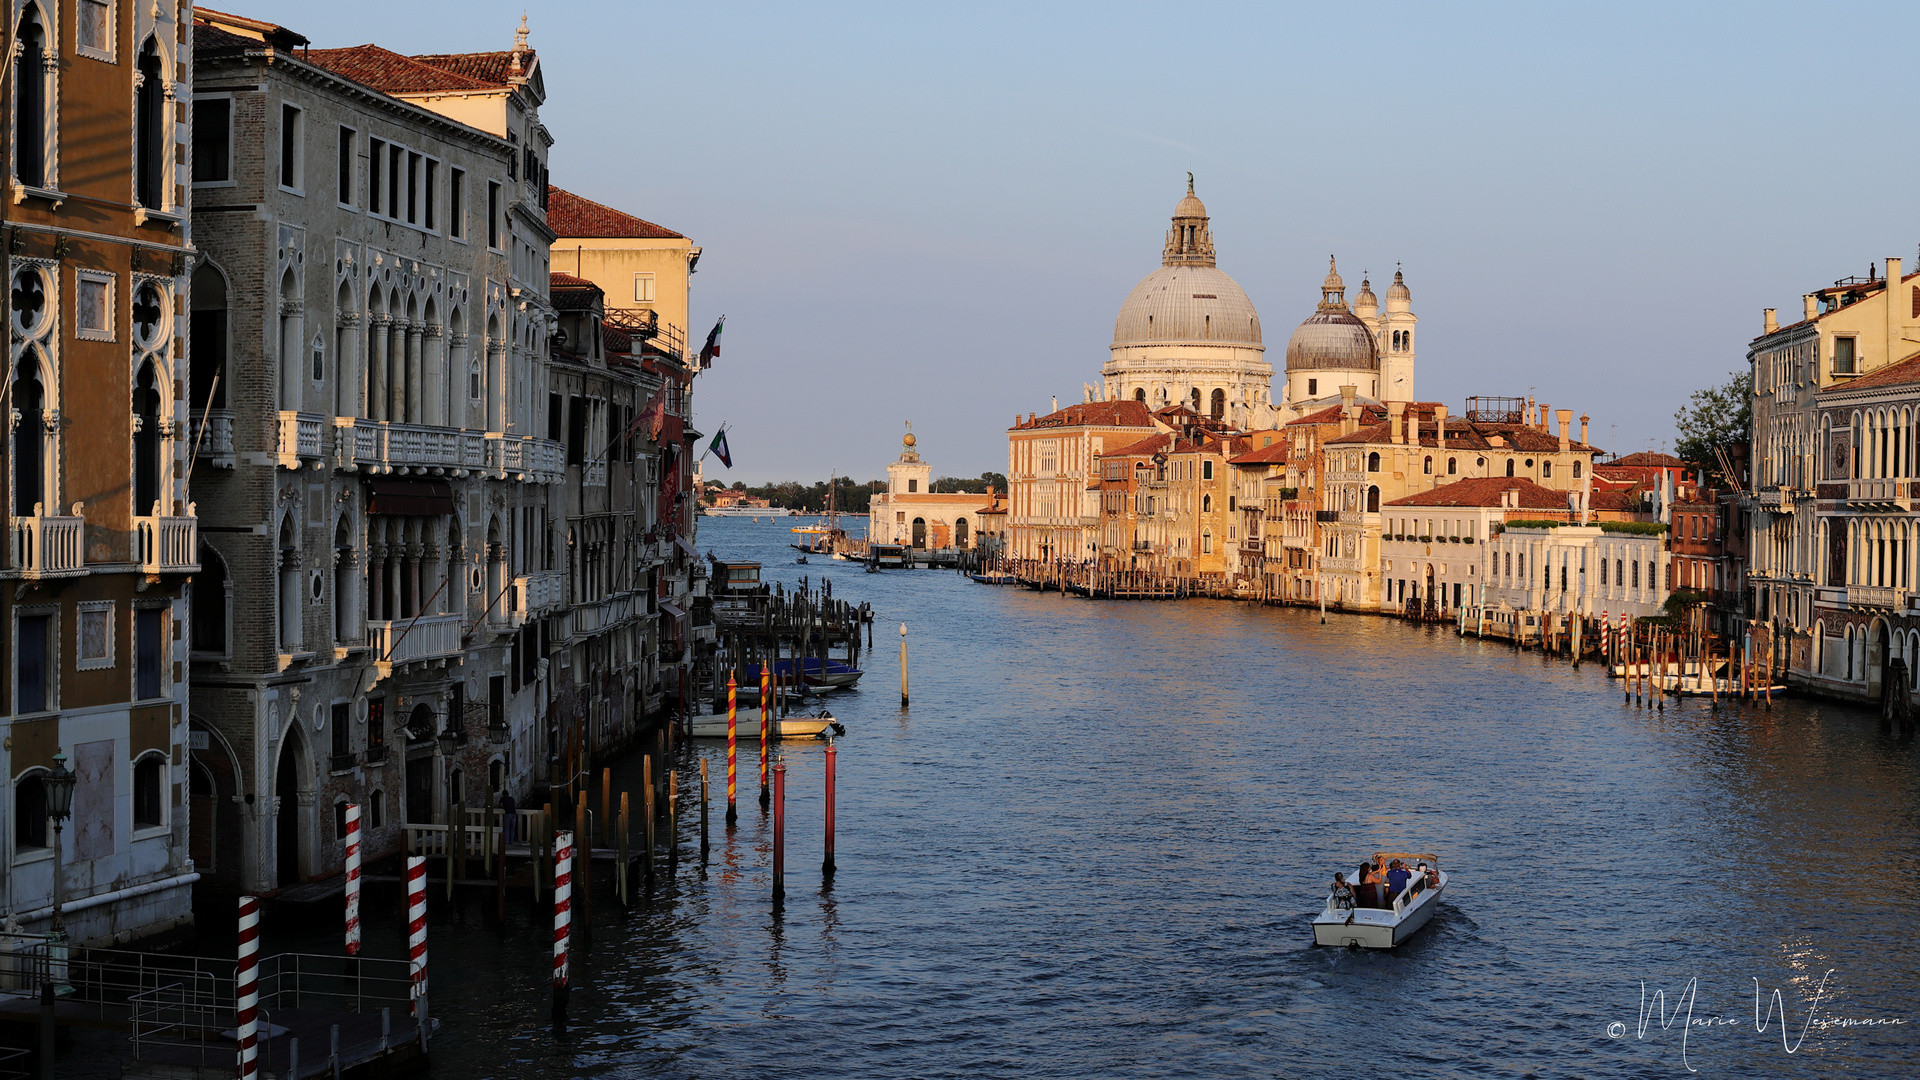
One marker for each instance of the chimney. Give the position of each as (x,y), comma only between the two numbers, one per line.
(1811,306)
(1565,417)
(1396,414)
(1440,425)
(1583,430)
(1769,320)
(1545,411)
(1349,412)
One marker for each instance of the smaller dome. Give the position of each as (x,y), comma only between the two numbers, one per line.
(1365,303)
(1333,276)
(1332,339)
(1398,290)
(1190,206)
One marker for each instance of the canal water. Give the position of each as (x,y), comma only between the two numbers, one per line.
(1092,844)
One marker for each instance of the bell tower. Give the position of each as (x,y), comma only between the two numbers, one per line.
(908,475)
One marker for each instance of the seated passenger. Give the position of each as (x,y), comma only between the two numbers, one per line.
(1342,893)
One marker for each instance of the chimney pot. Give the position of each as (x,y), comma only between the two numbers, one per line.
(1769,321)
(1583,429)
(1565,417)
(1440,426)
(1811,305)
(1396,414)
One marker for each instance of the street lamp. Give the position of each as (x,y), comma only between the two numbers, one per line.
(59,788)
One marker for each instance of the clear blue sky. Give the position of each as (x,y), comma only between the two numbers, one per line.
(932,214)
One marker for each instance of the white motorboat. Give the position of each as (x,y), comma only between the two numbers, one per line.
(1370,926)
(747,728)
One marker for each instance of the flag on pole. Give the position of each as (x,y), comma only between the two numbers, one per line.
(711,350)
(718,448)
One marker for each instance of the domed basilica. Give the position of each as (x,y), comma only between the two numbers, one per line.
(1188,335)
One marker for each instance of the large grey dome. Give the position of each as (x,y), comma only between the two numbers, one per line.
(1187,304)
(1332,339)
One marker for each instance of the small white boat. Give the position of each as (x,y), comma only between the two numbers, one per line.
(747,728)
(1374,927)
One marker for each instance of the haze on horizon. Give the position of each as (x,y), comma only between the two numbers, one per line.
(933,215)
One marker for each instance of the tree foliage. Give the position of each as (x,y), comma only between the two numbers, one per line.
(977,485)
(1715,418)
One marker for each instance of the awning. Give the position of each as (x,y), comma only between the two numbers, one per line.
(412,498)
(684,546)
(672,610)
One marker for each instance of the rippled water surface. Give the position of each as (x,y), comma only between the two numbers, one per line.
(1092,845)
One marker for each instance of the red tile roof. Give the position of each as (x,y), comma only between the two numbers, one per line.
(1152,444)
(1645,459)
(570,215)
(1467,435)
(489,68)
(568,281)
(1265,455)
(1486,491)
(391,73)
(1091,414)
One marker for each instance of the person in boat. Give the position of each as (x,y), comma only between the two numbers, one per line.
(1342,892)
(1427,878)
(1397,877)
(1370,884)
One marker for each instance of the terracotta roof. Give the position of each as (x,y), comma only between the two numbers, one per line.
(617,341)
(270,34)
(389,72)
(1906,371)
(1091,414)
(1265,455)
(1467,435)
(494,69)
(1645,459)
(1486,491)
(1152,444)
(570,215)
(211,39)
(568,281)
(1623,501)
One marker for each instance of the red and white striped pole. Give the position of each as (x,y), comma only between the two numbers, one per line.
(353,879)
(417,933)
(562,919)
(246,986)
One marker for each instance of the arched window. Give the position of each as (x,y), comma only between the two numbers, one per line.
(1427,466)
(289,559)
(343,552)
(149,136)
(1195,398)
(1206,503)
(1509,466)
(1373,462)
(207,339)
(29,436)
(919,532)
(1546,468)
(1453,466)
(30,811)
(149,780)
(378,804)
(1373,500)
(960,532)
(1206,543)
(1140,394)
(1576,470)
(31,72)
(210,604)
(146,444)
(1219,404)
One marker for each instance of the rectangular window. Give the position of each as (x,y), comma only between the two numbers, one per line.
(377,722)
(493,215)
(93,305)
(554,409)
(376,171)
(576,432)
(146,792)
(497,701)
(212,141)
(396,180)
(93,31)
(1843,356)
(340,726)
(345,155)
(457,203)
(95,645)
(33,672)
(148,653)
(643,288)
(415,173)
(432,186)
(292,147)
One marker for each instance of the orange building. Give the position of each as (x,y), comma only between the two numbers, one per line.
(102,538)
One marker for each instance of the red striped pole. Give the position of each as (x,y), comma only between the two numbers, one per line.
(562,919)
(733,812)
(246,986)
(766,725)
(417,932)
(353,879)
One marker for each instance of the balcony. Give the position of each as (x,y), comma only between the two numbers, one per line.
(543,591)
(213,437)
(516,457)
(381,447)
(409,641)
(48,547)
(594,474)
(299,438)
(167,545)
(1881,492)
(1875,596)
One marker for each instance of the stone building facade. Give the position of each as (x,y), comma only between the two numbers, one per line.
(101,527)
(384,538)
(909,512)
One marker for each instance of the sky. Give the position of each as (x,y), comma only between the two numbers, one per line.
(932,213)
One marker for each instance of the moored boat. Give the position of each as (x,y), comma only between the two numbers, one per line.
(748,727)
(1376,921)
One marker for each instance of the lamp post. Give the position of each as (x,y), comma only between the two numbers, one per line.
(59,788)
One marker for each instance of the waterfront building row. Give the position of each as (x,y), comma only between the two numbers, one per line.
(326,488)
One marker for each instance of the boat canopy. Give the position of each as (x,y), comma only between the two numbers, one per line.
(1383,856)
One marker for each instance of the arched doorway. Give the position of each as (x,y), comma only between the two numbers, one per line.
(1877,657)
(960,533)
(1219,404)
(289,824)
(919,532)
(420,771)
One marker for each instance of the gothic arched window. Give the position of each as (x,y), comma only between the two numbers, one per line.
(30,100)
(149,122)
